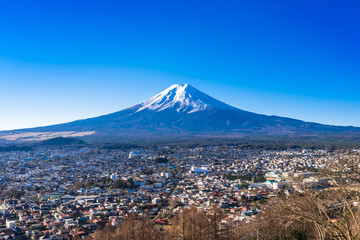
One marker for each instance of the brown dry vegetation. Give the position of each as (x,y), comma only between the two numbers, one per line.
(332,213)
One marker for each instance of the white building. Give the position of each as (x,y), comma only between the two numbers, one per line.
(114,176)
(166,174)
(10,224)
(202,169)
(134,154)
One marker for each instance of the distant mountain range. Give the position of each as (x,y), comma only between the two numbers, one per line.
(181,111)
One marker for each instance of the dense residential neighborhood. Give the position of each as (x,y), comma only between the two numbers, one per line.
(68,192)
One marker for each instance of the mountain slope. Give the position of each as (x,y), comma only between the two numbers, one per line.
(184,110)
(61,141)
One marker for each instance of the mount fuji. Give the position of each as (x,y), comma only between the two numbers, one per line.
(181,110)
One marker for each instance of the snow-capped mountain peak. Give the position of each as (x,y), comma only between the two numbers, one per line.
(182,111)
(182,98)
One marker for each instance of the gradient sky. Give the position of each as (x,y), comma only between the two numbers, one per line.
(67,60)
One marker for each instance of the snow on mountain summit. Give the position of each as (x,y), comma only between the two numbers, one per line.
(183,111)
(182,98)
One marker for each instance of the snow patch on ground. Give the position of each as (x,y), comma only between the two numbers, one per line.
(40,136)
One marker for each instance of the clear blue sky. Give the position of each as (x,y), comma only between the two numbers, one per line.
(66,60)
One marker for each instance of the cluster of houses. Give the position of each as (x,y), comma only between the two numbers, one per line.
(68,192)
